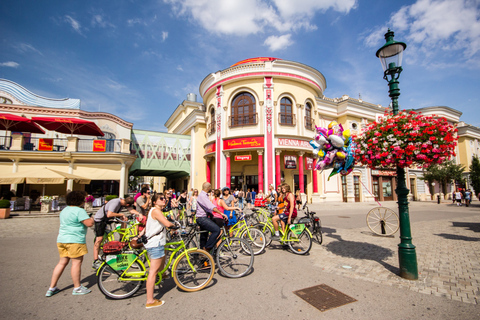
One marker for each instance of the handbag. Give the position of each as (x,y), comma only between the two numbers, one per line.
(144,239)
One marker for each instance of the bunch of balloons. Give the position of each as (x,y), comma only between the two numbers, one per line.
(334,148)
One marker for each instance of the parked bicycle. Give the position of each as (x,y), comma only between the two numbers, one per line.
(313,223)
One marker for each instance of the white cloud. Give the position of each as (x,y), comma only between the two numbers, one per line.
(253,16)
(26,48)
(132,22)
(179,68)
(437,26)
(277,43)
(99,20)
(164,35)
(73,23)
(9,64)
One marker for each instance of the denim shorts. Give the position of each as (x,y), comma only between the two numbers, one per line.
(156,252)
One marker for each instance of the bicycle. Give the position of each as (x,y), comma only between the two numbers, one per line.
(181,214)
(313,223)
(234,256)
(118,233)
(121,275)
(252,235)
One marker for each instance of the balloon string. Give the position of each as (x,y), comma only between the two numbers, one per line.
(370,193)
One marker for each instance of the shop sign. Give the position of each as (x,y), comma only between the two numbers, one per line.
(45,144)
(99,145)
(210,148)
(294,143)
(243,158)
(252,142)
(388,173)
(290,162)
(308,163)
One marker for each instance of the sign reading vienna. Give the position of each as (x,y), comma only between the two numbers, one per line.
(241,143)
(243,158)
(99,145)
(294,143)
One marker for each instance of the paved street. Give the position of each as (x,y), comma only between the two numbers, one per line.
(351,260)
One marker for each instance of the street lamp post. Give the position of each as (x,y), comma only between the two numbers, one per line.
(390,55)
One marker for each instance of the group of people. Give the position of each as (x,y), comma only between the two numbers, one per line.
(462,195)
(214,209)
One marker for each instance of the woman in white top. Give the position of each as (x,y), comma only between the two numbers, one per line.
(155,230)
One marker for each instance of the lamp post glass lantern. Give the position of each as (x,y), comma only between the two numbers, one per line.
(390,55)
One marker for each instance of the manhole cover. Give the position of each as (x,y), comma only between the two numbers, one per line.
(345,217)
(324,297)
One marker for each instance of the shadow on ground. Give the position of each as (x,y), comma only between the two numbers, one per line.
(457,237)
(473,226)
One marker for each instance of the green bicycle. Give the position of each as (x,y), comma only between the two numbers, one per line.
(121,275)
(252,235)
(116,232)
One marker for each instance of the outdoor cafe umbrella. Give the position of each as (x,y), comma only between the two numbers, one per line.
(69,125)
(11,122)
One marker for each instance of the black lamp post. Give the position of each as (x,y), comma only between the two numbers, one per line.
(390,55)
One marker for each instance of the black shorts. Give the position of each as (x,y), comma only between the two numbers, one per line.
(283,217)
(100,227)
(219,222)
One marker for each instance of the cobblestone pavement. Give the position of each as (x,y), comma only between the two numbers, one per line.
(448,251)
(448,256)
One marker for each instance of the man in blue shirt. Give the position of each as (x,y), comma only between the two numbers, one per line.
(204,208)
(254,194)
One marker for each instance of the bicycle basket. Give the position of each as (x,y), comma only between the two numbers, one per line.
(113,247)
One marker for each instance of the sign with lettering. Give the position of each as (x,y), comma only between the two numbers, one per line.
(120,261)
(309,163)
(210,148)
(241,143)
(243,158)
(290,162)
(45,144)
(294,143)
(388,173)
(99,145)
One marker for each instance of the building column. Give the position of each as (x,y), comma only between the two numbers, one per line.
(314,177)
(209,175)
(301,182)
(13,186)
(227,155)
(260,170)
(278,172)
(122,179)
(70,181)
(193,163)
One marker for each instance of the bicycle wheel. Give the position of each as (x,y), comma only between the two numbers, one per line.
(232,259)
(299,244)
(267,232)
(317,232)
(255,238)
(112,287)
(383,221)
(189,279)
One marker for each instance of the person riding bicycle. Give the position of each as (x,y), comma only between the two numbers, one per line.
(182,203)
(271,196)
(142,205)
(204,209)
(290,212)
(109,210)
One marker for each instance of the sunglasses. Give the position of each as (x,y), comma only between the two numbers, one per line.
(161,198)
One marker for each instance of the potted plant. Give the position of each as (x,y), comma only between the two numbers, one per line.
(110,197)
(46,204)
(4,209)
(89,203)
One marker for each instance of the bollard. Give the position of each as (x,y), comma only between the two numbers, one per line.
(438,199)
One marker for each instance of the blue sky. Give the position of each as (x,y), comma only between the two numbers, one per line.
(139,59)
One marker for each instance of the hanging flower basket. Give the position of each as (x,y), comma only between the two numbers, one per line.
(406,139)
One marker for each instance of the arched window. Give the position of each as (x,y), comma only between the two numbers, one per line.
(309,122)
(244,111)
(211,125)
(286,115)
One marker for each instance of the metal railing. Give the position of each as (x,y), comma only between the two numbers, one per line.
(111,145)
(286,119)
(43,144)
(309,123)
(242,120)
(5,143)
(211,128)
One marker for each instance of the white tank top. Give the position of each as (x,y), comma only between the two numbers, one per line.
(153,227)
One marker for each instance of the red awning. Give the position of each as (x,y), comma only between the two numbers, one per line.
(69,125)
(11,122)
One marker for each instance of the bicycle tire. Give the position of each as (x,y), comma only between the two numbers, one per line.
(189,280)
(113,288)
(316,231)
(232,260)
(304,243)
(255,238)
(267,231)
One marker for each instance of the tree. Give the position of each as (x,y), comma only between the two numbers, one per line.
(444,173)
(475,174)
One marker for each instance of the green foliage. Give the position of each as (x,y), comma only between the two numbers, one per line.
(4,204)
(444,173)
(475,174)
(110,197)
